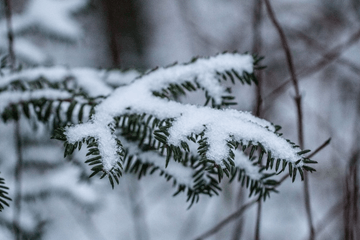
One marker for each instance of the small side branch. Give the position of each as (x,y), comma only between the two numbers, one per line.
(328,57)
(256,48)
(18,143)
(294,80)
(10,33)
(227,220)
(18,182)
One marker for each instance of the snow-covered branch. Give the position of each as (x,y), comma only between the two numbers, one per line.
(140,126)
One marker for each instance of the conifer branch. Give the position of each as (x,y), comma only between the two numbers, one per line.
(122,132)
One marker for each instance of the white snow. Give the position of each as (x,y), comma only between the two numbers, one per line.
(242,161)
(7,98)
(90,80)
(51,16)
(28,51)
(119,78)
(219,125)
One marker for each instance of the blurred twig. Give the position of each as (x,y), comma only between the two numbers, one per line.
(294,81)
(227,220)
(137,210)
(18,143)
(256,48)
(328,217)
(351,199)
(327,58)
(351,196)
(10,33)
(311,42)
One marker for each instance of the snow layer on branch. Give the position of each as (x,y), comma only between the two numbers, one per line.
(242,161)
(51,16)
(204,70)
(7,98)
(119,78)
(28,51)
(90,80)
(220,126)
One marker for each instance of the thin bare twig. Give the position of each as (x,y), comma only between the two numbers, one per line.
(326,59)
(328,217)
(18,143)
(312,42)
(351,198)
(18,182)
(294,80)
(137,210)
(256,48)
(10,34)
(291,67)
(309,156)
(227,220)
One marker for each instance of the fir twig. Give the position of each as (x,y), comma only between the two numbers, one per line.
(226,221)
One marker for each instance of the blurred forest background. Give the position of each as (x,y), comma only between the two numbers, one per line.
(59,202)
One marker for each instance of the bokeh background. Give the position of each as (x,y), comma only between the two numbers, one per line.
(58,202)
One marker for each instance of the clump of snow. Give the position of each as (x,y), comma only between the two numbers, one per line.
(52,16)
(90,80)
(220,125)
(7,98)
(28,51)
(242,161)
(119,78)
(204,70)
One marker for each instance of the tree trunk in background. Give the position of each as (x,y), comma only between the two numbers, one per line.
(351,201)
(125,38)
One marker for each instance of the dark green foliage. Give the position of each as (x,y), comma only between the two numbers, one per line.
(54,112)
(138,134)
(3,194)
(174,91)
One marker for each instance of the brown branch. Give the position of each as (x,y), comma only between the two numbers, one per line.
(10,34)
(18,182)
(329,216)
(311,42)
(18,143)
(256,48)
(327,58)
(294,80)
(227,220)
